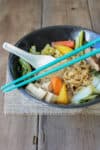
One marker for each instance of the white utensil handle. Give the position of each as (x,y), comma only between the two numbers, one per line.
(17,51)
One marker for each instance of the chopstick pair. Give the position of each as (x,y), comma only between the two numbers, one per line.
(12,85)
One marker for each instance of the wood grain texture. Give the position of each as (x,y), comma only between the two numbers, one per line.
(69,132)
(54,12)
(16,132)
(17,18)
(69,12)
(77,13)
(94,10)
(55,132)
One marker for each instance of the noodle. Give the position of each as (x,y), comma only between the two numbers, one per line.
(77,75)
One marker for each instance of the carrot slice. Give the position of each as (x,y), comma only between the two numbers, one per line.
(56,84)
(68,43)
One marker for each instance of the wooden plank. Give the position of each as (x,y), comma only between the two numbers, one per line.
(68,132)
(77,13)
(94,10)
(17,132)
(69,12)
(16,19)
(54,12)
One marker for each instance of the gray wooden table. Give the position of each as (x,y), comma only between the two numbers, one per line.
(81,132)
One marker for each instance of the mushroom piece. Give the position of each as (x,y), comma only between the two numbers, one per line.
(45,85)
(36,92)
(93,61)
(50,97)
(98,56)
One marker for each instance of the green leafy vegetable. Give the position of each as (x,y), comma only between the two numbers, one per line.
(25,67)
(95,73)
(88,98)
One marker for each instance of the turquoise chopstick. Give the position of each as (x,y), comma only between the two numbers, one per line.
(76,60)
(53,62)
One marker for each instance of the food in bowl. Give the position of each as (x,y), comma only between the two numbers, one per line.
(77,84)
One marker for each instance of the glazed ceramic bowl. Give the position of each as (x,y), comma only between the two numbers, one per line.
(40,38)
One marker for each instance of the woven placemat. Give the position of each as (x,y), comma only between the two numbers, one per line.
(16,103)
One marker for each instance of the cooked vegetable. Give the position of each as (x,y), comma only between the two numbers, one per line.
(56,84)
(82,94)
(88,93)
(95,73)
(36,92)
(79,40)
(68,43)
(77,43)
(63,95)
(50,97)
(48,50)
(57,53)
(87,99)
(33,50)
(95,81)
(45,85)
(50,87)
(98,88)
(98,56)
(63,49)
(93,61)
(25,67)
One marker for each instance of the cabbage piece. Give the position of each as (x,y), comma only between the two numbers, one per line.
(88,98)
(98,88)
(89,92)
(95,81)
(84,93)
(96,84)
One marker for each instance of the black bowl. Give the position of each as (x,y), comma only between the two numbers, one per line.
(42,37)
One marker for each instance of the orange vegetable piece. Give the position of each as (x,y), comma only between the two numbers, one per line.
(56,84)
(63,95)
(68,43)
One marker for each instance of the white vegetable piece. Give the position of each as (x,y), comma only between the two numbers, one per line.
(36,92)
(45,85)
(96,84)
(50,97)
(98,88)
(95,81)
(83,93)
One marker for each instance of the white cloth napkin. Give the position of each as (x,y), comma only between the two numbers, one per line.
(16,103)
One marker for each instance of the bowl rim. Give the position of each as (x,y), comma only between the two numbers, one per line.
(69,106)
